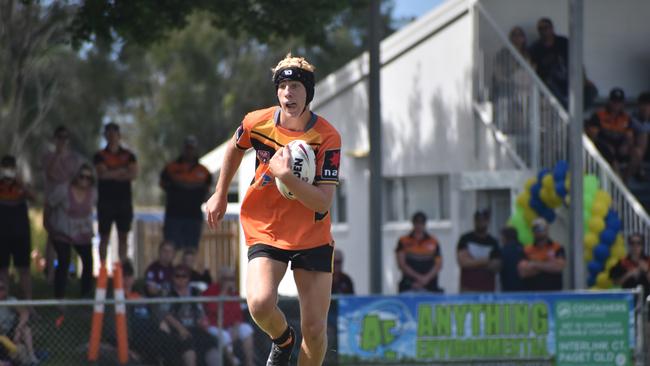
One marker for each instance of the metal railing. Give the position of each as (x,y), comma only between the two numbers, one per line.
(530,121)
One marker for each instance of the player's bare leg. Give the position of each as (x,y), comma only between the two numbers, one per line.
(315,294)
(262,281)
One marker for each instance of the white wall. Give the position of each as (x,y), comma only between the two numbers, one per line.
(616,51)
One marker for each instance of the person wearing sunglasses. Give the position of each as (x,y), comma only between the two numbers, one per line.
(71,220)
(633,270)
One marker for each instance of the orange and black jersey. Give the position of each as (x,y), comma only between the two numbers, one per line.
(544,281)
(628,264)
(186,185)
(266,216)
(421,254)
(113,190)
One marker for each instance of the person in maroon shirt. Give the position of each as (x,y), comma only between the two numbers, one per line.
(341,282)
(160,273)
(479,256)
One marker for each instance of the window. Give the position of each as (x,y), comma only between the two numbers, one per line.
(339,204)
(403,196)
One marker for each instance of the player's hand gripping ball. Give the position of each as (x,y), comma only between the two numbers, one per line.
(303,166)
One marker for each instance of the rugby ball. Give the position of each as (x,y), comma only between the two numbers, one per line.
(303,166)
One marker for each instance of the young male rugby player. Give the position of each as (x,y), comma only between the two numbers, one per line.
(278,230)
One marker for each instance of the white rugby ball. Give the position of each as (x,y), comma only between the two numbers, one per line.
(303,166)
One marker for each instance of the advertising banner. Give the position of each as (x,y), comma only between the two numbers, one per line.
(563,329)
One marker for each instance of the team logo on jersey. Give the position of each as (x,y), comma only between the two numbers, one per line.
(263,156)
(266,180)
(331,165)
(240,132)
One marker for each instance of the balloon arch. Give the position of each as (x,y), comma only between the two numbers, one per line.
(604,244)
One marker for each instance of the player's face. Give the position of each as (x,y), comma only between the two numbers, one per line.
(292,96)
(112,136)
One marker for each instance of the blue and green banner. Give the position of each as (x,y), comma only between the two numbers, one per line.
(567,329)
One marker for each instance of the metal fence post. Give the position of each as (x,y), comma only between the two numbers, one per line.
(220,326)
(535,129)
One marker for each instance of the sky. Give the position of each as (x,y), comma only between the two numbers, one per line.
(414,8)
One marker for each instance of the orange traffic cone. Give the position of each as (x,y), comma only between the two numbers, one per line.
(120,315)
(98,315)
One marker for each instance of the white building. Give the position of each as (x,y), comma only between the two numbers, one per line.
(439,156)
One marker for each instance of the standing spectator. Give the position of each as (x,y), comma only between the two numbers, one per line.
(188,323)
(14,326)
(544,261)
(610,129)
(145,335)
(202,279)
(60,165)
(478,256)
(633,270)
(641,128)
(550,54)
(233,326)
(341,282)
(159,274)
(15,239)
(419,258)
(186,183)
(71,220)
(511,253)
(116,168)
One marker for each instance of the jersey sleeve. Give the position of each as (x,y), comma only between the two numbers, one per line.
(560,253)
(328,160)
(132,157)
(243,133)
(98,158)
(462,243)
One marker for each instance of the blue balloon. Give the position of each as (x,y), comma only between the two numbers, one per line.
(536,204)
(611,214)
(591,280)
(595,267)
(601,252)
(535,189)
(560,189)
(608,236)
(548,215)
(559,173)
(542,173)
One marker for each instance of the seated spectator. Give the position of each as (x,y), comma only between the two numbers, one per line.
(550,55)
(641,128)
(419,258)
(70,209)
(610,129)
(341,282)
(159,273)
(15,331)
(511,253)
(15,241)
(479,256)
(199,280)
(633,270)
(188,323)
(233,328)
(145,336)
(543,262)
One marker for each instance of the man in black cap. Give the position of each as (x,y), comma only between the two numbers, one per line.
(611,131)
(543,262)
(479,256)
(186,183)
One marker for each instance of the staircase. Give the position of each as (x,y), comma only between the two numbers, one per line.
(532,125)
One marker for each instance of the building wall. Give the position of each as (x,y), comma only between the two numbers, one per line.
(615,36)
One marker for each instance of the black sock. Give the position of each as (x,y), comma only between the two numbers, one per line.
(286,335)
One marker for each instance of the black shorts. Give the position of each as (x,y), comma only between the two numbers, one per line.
(17,247)
(120,212)
(319,259)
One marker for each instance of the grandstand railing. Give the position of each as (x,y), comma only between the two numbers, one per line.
(529,121)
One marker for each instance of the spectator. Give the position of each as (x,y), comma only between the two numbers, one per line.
(188,323)
(550,54)
(511,253)
(14,326)
(116,168)
(159,274)
(145,335)
(60,165)
(641,128)
(341,282)
(419,258)
(633,270)
(186,183)
(203,280)
(543,262)
(71,225)
(479,256)
(233,326)
(610,129)
(15,240)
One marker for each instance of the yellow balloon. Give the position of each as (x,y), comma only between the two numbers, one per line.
(596,224)
(603,196)
(599,209)
(611,262)
(618,251)
(529,183)
(620,240)
(546,197)
(588,255)
(529,215)
(567,183)
(603,281)
(523,199)
(548,182)
(591,240)
(567,200)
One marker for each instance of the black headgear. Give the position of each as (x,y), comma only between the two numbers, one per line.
(305,77)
